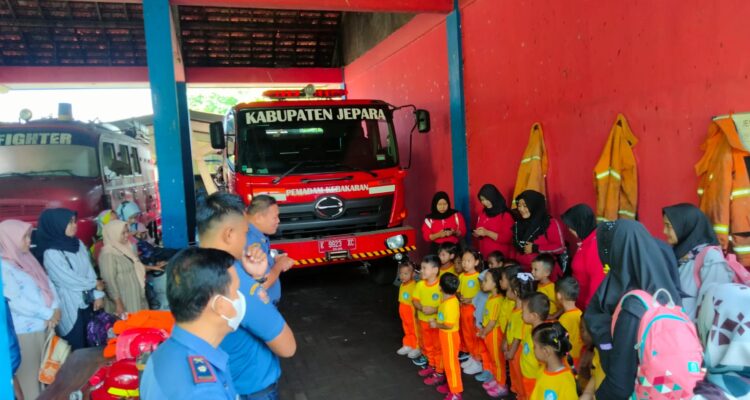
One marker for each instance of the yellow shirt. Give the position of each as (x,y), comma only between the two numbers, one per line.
(448,314)
(571,321)
(450,268)
(597,372)
(506,309)
(530,366)
(469,285)
(405,292)
(515,325)
(492,310)
(427,295)
(559,385)
(549,291)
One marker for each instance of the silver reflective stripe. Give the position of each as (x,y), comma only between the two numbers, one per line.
(721,229)
(525,160)
(601,219)
(626,212)
(741,249)
(608,173)
(739,193)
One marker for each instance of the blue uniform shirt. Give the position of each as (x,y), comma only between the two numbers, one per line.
(186,367)
(256,236)
(254,366)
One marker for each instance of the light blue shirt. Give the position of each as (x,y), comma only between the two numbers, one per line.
(479,301)
(26,301)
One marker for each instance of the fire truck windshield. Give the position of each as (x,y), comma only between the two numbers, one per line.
(323,139)
(48,160)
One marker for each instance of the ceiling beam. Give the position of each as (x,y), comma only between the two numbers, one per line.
(406,6)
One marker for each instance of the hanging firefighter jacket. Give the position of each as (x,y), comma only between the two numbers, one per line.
(616,175)
(724,187)
(533,169)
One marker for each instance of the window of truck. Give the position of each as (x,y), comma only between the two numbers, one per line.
(49,160)
(135,161)
(124,157)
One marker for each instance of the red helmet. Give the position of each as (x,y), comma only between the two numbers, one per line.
(115,381)
(133,342)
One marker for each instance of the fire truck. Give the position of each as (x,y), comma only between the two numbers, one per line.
(333,167)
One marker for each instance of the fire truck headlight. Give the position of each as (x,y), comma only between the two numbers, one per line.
(395,242)
(398,256)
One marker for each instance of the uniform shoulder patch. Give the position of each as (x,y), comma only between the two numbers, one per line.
(202,370)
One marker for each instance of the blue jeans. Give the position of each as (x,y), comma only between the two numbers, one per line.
(269,393)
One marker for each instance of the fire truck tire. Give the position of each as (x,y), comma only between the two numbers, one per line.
(383,271)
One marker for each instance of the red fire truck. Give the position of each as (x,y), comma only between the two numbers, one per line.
(333,167)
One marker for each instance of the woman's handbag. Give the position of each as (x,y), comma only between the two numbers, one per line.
(56,350)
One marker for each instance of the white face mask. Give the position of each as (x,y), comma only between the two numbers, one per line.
(240,307)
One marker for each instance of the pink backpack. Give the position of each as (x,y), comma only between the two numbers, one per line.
(669,352)
(741,274)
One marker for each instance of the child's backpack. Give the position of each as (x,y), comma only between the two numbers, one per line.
(99,329)
(741,274)
(669,352)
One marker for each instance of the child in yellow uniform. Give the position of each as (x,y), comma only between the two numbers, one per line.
(566,292)
(448,252)
(448,319)
(556,380)
(541,268)
(493,335)
(471,263)
(426,299)
(535,312)
(406,311)
(596,372)
(521,285)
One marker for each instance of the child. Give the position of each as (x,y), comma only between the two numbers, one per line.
(541,268)
(447,322)
(521,285)
(426,299)
(406,310)
(596,373)
(471,262)
(566,293)
(448,252)
(535,312)
(551,346)
(493,360)
(494,260)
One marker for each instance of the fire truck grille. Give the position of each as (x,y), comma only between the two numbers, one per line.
(24,212)
(359,215)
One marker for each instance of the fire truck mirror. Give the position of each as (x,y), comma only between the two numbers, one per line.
(423,121)
(216,130)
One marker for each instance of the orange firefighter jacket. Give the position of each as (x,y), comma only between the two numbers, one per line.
(616,175)
(724,187)
(533,169)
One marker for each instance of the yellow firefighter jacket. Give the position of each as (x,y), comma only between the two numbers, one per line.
(616,175)
(533,169)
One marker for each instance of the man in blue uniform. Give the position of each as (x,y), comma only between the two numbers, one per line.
(204,296)
(263,336)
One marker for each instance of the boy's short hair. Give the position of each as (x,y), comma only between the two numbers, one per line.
(568,288)
(407,264)
(537,303)
(497,255)
(449,283)
(547,261)
(448,247)
(431,259)
(212,209)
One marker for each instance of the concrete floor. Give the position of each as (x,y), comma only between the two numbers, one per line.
(348,331)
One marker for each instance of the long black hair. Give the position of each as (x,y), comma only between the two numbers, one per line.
(554,335)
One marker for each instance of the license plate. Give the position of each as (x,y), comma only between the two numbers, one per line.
(338,244)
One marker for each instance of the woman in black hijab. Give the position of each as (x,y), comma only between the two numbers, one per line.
(689,232)
(637,261)
(442,224)
(587,267)
(494,224)
(535,231)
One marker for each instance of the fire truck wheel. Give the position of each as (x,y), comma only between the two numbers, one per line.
(383,271)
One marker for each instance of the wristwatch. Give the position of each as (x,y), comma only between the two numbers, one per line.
(262,280)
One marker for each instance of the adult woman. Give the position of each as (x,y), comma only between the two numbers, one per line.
(636,261)
(535,231)
(689,232)
(69,267)
(726,342)
(32,299)
(494,224)
(586,265)
(442,224)
(121,269)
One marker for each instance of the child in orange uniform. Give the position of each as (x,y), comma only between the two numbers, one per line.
(447,322)
(406,311)
(471,262)
(566,291)
(522,284)
(556,380)
(448,252)
(541,268)
(426,299)
(493,335)
(535,312)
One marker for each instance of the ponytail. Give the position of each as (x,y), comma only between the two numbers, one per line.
(554,335)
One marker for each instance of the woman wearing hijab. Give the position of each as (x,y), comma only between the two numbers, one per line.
(69,267)
(442,224)
(122,270)
(722,327)
(34,305)
(535,231)
(690,233)
(494,224)
(586,265)
(636,261)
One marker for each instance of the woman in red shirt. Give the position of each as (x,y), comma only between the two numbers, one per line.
(535,232)
(494,229)
(442,224)
(587,266)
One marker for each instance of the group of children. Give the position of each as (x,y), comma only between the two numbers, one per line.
(461,318)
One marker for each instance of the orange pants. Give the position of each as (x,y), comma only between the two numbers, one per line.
(493,359)
(516,378)
(449,346)
(469,332)
(431,346)
(409,323)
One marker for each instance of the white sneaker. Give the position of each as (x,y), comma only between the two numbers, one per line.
(404,350)
(415,353)
(468,362)
(474,368)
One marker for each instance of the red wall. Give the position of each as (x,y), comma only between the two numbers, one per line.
(668,66)
(410,67)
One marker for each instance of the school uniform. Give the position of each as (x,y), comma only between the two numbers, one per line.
(548,289)
(429,295)
(530,366)
(493,359)
(515,332)
(469,288)
(407,313)
(571,321)
(448,315)
(560,385)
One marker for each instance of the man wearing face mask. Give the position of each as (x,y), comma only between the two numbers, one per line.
(203,291)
